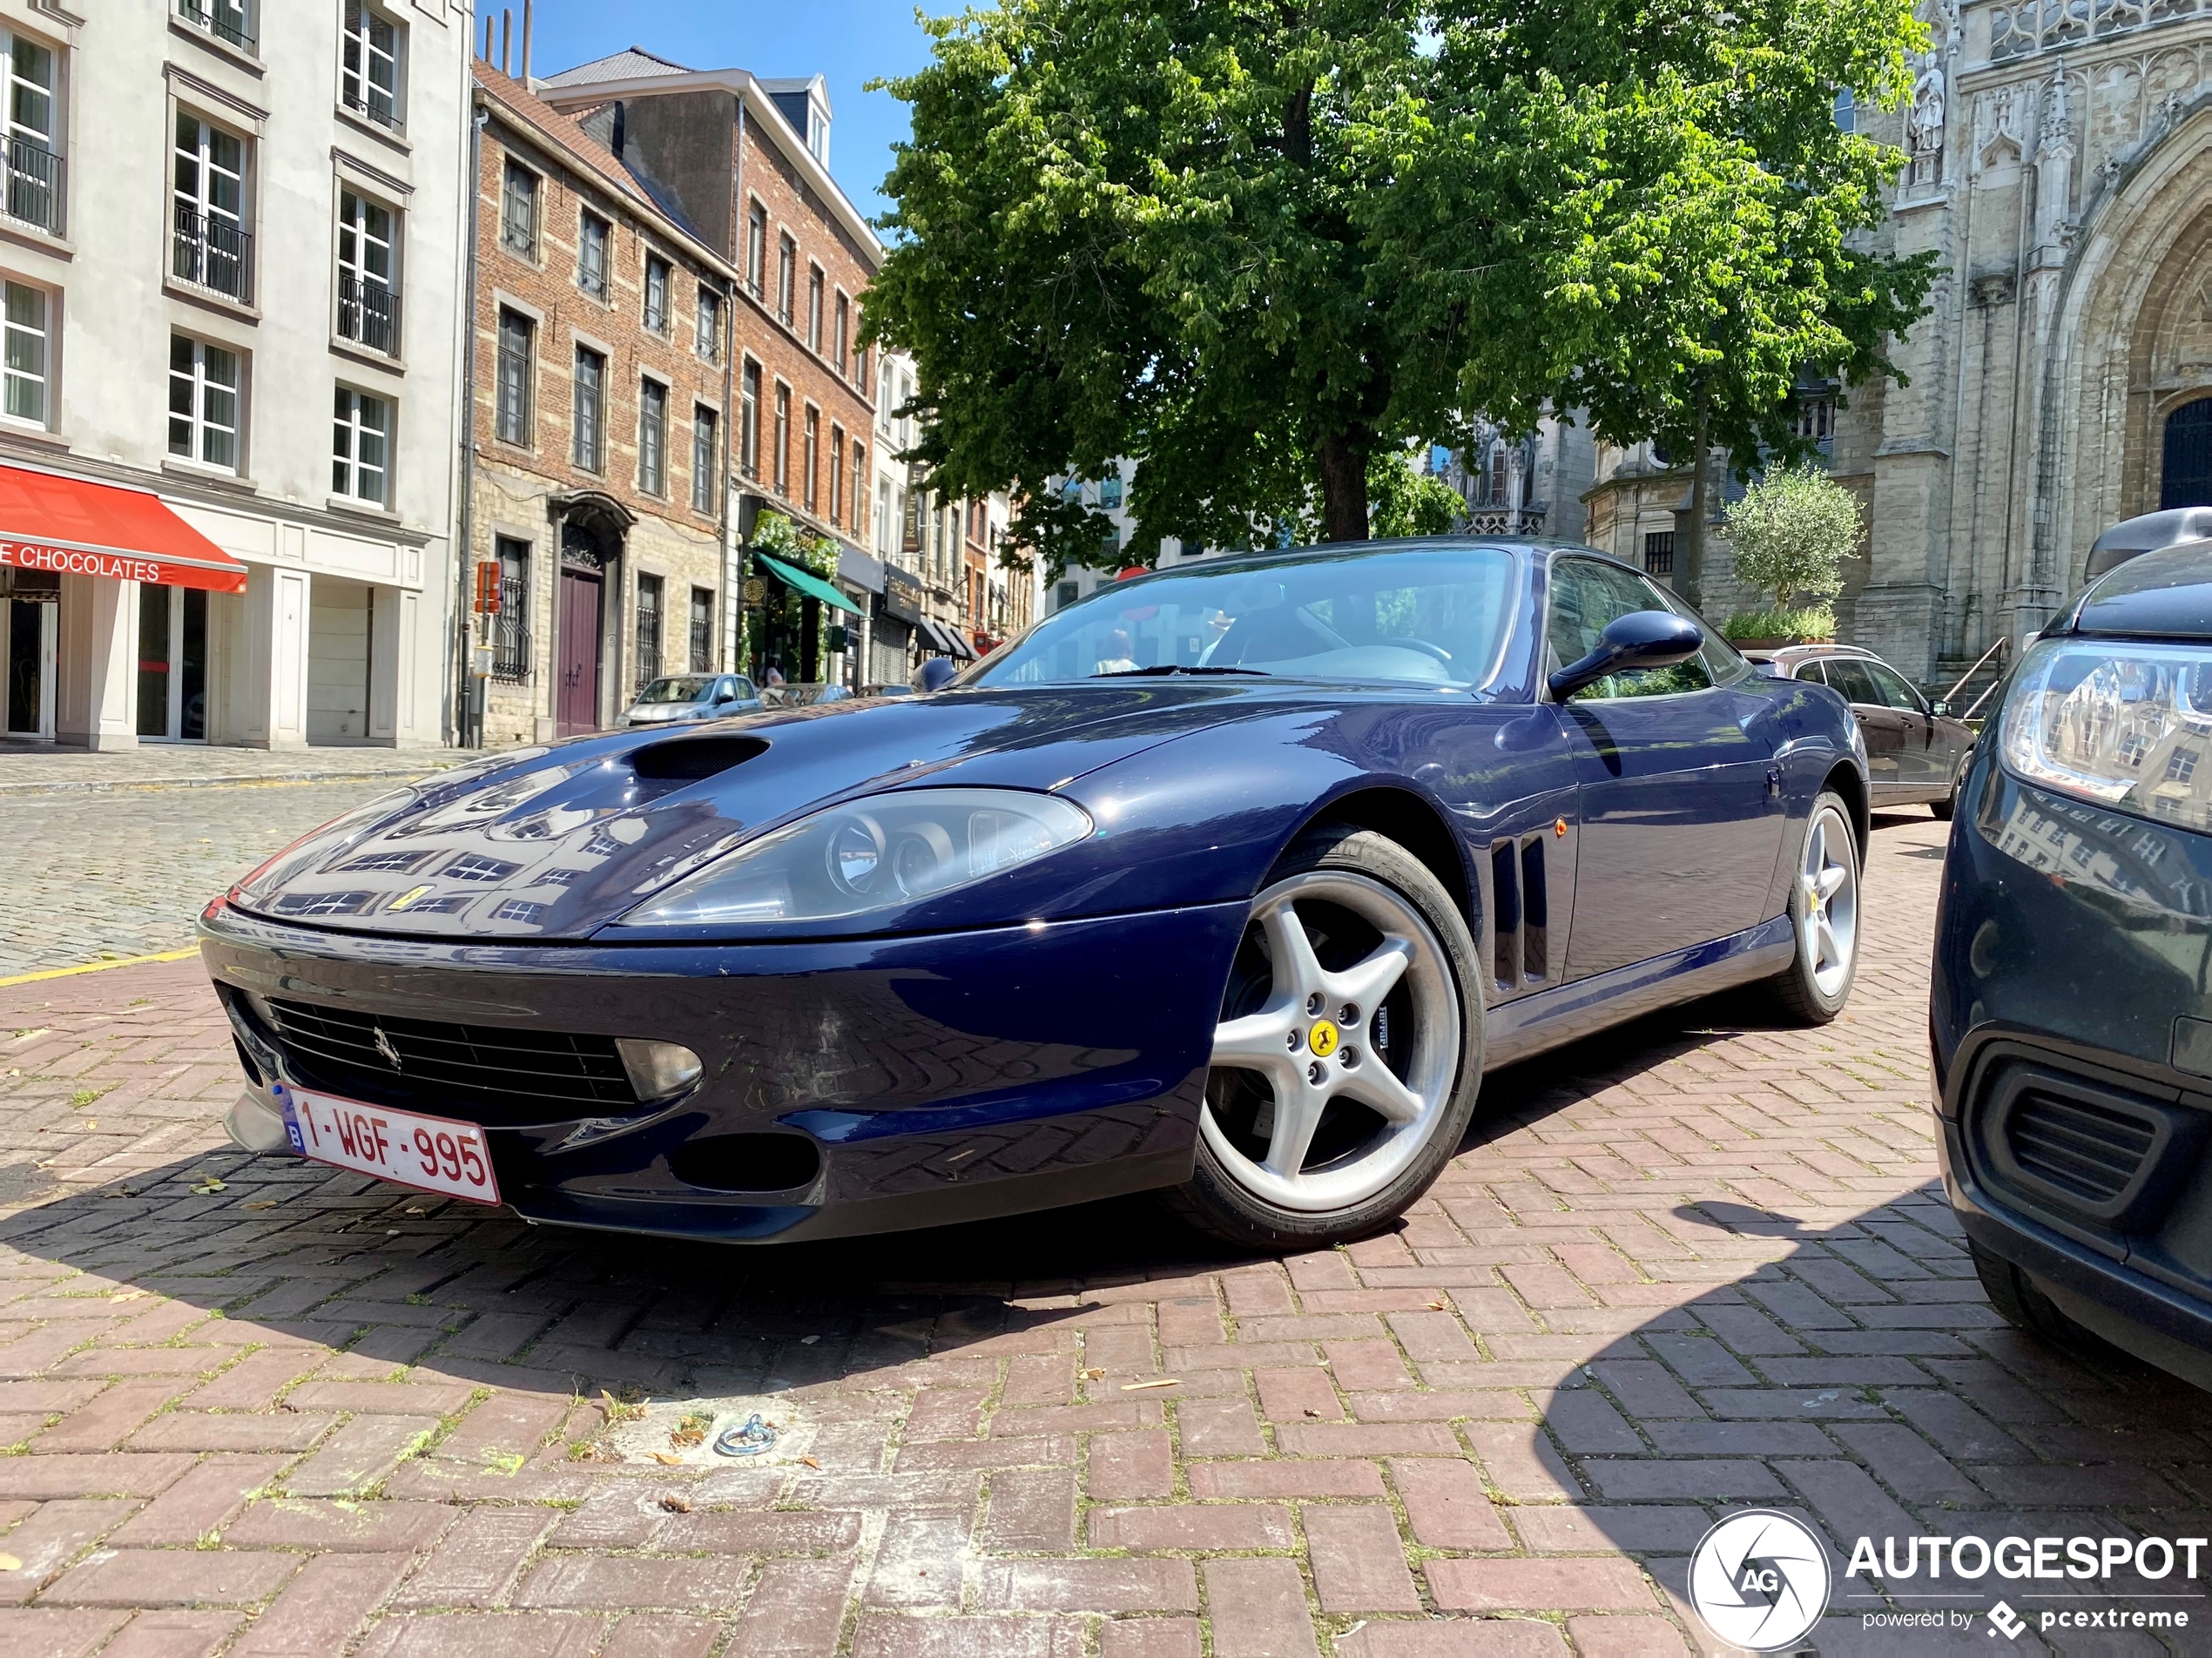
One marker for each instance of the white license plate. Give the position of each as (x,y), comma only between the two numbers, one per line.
(431,1154)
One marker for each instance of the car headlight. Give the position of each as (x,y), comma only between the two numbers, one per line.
(873,853)
(2126,725)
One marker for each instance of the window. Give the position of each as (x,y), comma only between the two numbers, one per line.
(786,277)
(1895,692)
(34,171)
(512,381)
(705,461)
(590,409)
(883,518)
(837,476)
(749,421)
(1585,596)
(23,320)
(859,488)
(1848,678)
(813,443)
(212,247)
(1110,492)
(755,249)
(518,210)
(783,440)
(369,307)
(656,276)
(814,309)
(225,19)
(1659,552)
(510,629)
(592,254)
(652,437)
(1067,593)
(840,336)
(2181,765)
(702,630)
(203,402)
(649,630)
(368,79)
(359,450)
(708,335)
(1814,417)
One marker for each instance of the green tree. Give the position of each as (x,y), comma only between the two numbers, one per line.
(1257,248)
(1791,532)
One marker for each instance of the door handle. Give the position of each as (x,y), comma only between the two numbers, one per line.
(1773,781)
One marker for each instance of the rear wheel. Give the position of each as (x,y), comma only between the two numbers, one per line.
(1824,918)
(1348,1051)
(1942,810)
(2016,1300)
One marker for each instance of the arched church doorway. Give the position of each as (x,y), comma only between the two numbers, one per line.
(2185,480)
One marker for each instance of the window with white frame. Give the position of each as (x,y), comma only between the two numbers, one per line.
(706,459)
(786,277)
(24,310)
(592,254)
(814,309)
(34,171)
(211,245)
(518,210)
(657,277)
(755,249)
(749,420)
(205,384)
(707,337)
(368,301)
(652,437)
(373,52)
(590,409)
(361,454)
(227,20)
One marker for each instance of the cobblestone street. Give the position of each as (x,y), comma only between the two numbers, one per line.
(256,1408)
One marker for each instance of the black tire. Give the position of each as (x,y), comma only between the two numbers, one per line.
(1214,1200)
(1797,991)
(2020,1303)
(1942,811)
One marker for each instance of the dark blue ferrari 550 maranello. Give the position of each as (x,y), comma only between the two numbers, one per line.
(1228,880)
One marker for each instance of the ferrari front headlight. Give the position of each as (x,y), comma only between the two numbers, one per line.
(873,853)
(2123,724)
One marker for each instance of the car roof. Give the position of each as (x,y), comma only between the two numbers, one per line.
(1263,556)
(2163,594)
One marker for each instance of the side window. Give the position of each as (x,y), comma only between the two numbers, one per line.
(1892,686)
(1809,669)
(1585,596)
(1851,681)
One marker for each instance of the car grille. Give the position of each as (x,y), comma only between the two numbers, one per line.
(2085,1150)
(485,1073)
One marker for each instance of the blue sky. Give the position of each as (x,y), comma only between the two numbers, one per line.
(847,41)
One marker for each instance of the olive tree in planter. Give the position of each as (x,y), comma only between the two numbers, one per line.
(1791,532)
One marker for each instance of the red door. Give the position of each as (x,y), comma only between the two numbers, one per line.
(575,707)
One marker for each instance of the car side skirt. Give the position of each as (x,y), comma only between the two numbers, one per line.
(1552,1018)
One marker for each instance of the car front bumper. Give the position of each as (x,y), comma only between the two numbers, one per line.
(938,1079)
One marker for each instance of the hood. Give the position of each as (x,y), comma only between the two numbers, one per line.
(556,842)
(2166,594)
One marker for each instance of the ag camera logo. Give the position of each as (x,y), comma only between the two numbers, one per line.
(1760,1580)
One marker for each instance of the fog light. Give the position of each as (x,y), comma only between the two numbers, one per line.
(658,1070)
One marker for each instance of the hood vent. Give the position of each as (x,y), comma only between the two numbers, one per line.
(687,759)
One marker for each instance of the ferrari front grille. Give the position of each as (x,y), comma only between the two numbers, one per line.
(417,1060)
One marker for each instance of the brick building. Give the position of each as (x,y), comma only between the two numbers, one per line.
(743,164)
(600,391)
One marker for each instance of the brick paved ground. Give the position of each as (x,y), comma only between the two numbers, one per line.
(1693,1266)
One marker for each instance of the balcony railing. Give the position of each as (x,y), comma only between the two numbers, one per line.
(34,186)
(510,644)
(225,23)
(213,254)
(1506,520)
(702,646)
(368,313)
(372,102)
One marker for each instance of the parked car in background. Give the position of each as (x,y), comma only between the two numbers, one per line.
(1230,881)
(1915,750)
(2070,1016)
(804,695)
(893,690)
(675,698)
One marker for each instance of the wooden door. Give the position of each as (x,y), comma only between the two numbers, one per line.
(575,707)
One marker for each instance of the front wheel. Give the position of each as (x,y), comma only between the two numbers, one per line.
(1348,1052)
(1823,919)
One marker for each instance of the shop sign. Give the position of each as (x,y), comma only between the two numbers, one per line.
(901,596)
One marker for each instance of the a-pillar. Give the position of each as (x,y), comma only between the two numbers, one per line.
(98,664)
(272,663)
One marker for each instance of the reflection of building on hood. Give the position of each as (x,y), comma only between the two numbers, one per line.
(2125,857)
(2120,721)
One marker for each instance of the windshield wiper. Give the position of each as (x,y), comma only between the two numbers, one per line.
(1166,668)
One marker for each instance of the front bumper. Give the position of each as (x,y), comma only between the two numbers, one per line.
(939,1079)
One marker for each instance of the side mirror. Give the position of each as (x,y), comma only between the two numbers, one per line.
(1939,707)
(934,674)
(1640,639)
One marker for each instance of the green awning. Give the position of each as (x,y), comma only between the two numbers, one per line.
(800,581)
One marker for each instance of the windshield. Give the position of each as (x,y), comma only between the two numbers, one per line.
(676,688)
(1435,616)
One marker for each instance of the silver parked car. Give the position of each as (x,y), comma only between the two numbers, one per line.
(673,697)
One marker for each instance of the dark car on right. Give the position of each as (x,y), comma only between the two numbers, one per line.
(2071,1013)
(1916,752)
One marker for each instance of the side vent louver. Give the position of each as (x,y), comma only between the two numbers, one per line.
(1520,913)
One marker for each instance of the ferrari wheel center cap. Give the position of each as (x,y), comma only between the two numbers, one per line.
(1323,1038)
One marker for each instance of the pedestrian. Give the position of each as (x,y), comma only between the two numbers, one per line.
(1117,658)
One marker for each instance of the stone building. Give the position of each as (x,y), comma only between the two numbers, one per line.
(230,274)
(601,387)
(2059,167)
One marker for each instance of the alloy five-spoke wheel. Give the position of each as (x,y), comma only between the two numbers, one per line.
(1823,915)
(1323,1093)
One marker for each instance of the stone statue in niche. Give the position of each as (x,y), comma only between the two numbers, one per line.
(1924,128)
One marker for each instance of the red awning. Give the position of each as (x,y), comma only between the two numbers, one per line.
(80,529)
